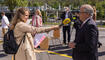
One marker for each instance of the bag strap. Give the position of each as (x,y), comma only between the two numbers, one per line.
(23,39)
(33,20)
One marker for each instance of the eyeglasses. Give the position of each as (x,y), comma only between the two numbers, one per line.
(82,12)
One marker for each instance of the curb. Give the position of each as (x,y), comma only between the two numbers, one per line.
(64,55)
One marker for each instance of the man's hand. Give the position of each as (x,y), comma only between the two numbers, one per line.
(72,44)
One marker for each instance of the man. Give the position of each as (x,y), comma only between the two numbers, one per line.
(66,28)
(85,43)
(5,23)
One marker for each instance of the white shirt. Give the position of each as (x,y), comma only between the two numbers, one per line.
(4,22)
(37,21)
(66,16)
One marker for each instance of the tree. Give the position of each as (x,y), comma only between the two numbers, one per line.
(15,3)
(101,8)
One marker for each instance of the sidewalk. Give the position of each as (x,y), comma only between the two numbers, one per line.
(0,35)
(101,28)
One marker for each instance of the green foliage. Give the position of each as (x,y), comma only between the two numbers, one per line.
(15,3)
(22,3)
(11,4)
(54,3)
(100,4)
(37,4)
(51,23)
(44,16)
(101,8)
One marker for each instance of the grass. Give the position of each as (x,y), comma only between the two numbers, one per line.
(51,23)
(101,26)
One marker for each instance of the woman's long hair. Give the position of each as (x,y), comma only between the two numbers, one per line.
(94,14)
(20,12)
(38,12)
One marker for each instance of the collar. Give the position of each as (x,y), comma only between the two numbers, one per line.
(86,20)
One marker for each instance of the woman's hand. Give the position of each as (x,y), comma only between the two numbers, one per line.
(56,27)
(52,28)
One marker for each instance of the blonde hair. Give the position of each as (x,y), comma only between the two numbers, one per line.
(94,14)
(18,16)
(38,12)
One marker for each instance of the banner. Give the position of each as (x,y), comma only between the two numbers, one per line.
(39,38)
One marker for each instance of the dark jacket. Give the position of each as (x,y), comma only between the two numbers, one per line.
(86,42)
(69,16)
(77,25)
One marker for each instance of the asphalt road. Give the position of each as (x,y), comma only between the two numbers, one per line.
(59,49)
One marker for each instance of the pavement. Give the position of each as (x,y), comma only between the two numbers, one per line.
(101,28)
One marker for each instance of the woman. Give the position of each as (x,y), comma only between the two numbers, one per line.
(94,18)
(21,29)
(94,14)
(37,22)
(37,19)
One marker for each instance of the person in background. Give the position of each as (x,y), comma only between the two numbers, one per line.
(66,28)
(5,23)
(94,18)
(77,22)
(37,19)
(37,22)
(21,29)
(94,14)
(86,40)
